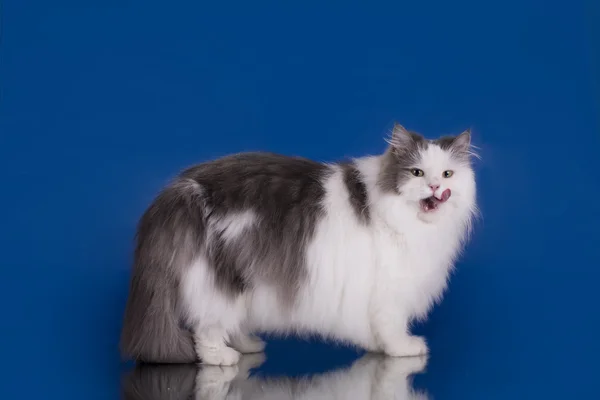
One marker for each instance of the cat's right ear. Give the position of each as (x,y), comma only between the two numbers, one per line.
(462,143)
(401,138)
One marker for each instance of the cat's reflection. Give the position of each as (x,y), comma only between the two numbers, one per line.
(370,377)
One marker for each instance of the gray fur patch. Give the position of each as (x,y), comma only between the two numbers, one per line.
(445,142)
(459,146)
(357,192)
(400,157)
(286,195)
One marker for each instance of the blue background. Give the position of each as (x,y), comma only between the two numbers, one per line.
(102,102)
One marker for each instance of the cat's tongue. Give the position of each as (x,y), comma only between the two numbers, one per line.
(431,203)
(445,195)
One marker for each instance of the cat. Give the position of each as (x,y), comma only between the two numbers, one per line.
(371,377)
(256,243)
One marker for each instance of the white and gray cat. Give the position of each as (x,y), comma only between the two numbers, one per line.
(372,377)
(264,243)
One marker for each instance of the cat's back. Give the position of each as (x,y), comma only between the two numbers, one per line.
(239,167)
(259,179)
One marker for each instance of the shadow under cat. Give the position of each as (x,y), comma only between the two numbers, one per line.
(372,376)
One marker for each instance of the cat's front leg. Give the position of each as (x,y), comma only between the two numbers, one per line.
(394,338)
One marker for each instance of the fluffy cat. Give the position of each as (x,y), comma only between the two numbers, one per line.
(260,242)
(369,378)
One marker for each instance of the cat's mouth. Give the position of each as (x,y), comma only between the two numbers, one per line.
(432,203)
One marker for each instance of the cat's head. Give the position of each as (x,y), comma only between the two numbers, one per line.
(433,176)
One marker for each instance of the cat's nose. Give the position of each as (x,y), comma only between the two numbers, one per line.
(434,187)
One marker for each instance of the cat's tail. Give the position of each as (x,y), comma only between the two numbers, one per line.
(151,329)
(168,237)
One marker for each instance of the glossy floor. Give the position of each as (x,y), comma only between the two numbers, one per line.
(370,377)
(302,370)
(103,101)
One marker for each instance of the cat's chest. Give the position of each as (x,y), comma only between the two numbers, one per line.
(418,252)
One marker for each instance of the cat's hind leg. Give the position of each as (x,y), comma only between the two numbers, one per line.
(213,314)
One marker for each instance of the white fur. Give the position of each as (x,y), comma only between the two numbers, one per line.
(365,282)
(233,225)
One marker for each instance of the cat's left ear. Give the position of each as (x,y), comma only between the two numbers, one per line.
(462,143)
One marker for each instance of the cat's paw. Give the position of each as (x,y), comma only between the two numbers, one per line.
(224,356)
(407,347)
(248,344)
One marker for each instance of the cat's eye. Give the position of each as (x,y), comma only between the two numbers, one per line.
(448,174)
(417,172)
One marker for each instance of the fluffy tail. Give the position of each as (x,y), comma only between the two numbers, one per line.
(151,330)
(168,235)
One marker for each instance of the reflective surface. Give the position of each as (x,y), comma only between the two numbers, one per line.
(103,101)
(370,377)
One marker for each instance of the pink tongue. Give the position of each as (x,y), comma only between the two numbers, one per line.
(446,195)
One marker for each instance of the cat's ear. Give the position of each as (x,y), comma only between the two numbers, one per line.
(401,138)
(462,143)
